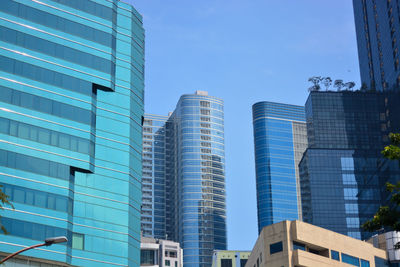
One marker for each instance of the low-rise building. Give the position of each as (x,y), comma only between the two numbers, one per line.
(295,243)
(388,241)
(230,258)
(160,253)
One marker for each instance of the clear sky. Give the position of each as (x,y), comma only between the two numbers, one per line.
(244,52)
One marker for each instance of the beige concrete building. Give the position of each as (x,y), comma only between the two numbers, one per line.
(295,243)
(230,258)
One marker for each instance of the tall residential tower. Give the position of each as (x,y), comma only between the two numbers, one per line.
(280,139)
(71,107)
(185,179)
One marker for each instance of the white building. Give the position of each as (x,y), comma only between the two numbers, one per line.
(160,253)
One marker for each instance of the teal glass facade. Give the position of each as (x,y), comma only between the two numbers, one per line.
(71,109)
(184,170)
(280,139)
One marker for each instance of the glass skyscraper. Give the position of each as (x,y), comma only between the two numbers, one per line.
(71,109)
(154,177)
(279,142)
(346,132)
(378,33)
(193,185)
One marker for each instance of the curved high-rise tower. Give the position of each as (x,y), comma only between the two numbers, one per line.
(193,181)
(200,177)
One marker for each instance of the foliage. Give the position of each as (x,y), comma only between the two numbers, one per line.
(388,216)
(3,201)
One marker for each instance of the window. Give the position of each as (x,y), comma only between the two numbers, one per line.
(226,262)
(364,263)
(205,104)
(31,230)
(243,262)
(167,263)
(350,260)
(347,163)
(204,112)
(335,255)
(350,193)
(379,262)
(147,257)
(297,245)
(275,247)
(78,241)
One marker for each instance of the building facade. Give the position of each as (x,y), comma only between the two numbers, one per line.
(189,176)
(160,253)
(71,107)
(387,241)
(230,258)
(295,243)
(378,31)
(346,133)
(280,138)
(154,177)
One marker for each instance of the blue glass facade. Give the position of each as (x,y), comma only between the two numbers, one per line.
(154,177)
(346,132)
(188,170)
(279,142)
(71,108)
(378,31)
(200,161)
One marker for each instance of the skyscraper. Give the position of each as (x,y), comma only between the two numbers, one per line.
(279,142)
(189,174)
(378,34)
(154,177)
(346,132)
(71,107)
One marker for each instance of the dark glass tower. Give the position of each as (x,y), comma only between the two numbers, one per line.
(279,142)
(184,176)
(346,132)
(71,107)
(378,38)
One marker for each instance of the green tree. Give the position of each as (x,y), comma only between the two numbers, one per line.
(3,201)
(388,216)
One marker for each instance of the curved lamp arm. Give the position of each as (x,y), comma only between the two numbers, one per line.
(48,242)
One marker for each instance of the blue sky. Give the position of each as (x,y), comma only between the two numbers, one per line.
(244,52)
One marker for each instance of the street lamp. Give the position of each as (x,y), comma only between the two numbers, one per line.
(47,242)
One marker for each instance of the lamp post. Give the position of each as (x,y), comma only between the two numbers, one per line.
(48,242)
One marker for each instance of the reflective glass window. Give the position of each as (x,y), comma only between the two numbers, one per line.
(78,241)
(350,259)
(335,255)
(55,22)
(40,74)
(364,263)
(57,109)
